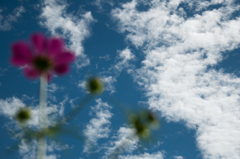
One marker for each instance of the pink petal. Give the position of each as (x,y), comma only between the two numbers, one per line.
(55,46)
(49,77)
(31,73)
(21,54)
(61,69)
(38,41)
(64,58)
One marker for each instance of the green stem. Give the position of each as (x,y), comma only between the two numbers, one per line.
(42,143)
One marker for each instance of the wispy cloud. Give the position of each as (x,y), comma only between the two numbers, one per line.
(124,59)
(157,155)
(28,148)
(98,127)
(105,57)
(109,83)
(126,140)
(51,89)
(55,18)
(178,157)
(10,106)
(100,3)
(6,21)
(109,77)
(28,151)
(180,50)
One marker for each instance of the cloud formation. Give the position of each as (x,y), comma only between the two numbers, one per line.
(76,29)
(98,127)
(178,157)
(157,155)
(6,21)
(177,71)
(124,59)
(126,140)
(28,148)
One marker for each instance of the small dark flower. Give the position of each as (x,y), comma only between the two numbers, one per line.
(95,85)
(150,119)
(23,115)
(143,122)
(139,126)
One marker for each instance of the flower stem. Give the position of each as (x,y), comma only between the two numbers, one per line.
(42,143)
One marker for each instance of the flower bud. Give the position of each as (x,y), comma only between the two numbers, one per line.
(23,115)
(139,126)
(151,119)
(95,85)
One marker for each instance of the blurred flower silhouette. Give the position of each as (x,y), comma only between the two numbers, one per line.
(23,115)
(143,122)
(95,85)
(151,119)
(48,56)
(141,129)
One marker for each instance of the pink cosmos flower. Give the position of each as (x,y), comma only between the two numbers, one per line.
(47,56)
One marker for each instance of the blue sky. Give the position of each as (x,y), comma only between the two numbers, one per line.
(179,58)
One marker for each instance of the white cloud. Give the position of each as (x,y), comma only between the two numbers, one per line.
(109,77)
(56,19)
(52,157)
(28,149)
(157,155)
(82,84)
(105,57)
(126,56)
(62,105)
(109,83)
(55,146)
(6,21)
(10,106)
(100,3)
(175,73)
(123,61)
(98,127)
(51,89)
(126,140)
(178,157)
